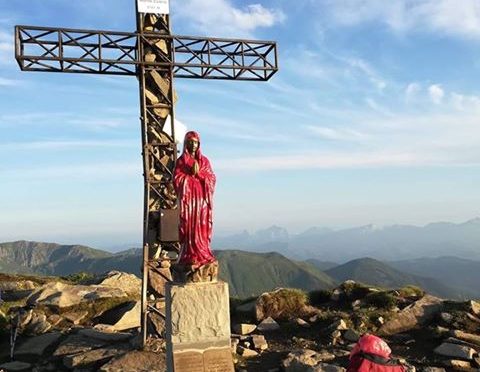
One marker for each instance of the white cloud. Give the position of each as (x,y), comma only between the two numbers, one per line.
(464,102)
(76,171)
(411,91)
(372,75)
(6,48)
(67,144)
(221,17)
(436,93)
(451,17)
(319,161)
(8,82)
(337,134)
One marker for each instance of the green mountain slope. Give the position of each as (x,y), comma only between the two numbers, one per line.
(253,273)
(373,272)
(47,258)
(247,273)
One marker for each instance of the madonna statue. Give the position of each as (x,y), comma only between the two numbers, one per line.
(195,183)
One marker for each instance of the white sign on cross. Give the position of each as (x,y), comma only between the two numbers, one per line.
(153,6)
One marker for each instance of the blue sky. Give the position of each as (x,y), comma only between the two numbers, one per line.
(373,118)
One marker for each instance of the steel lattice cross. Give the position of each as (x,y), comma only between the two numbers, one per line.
(155,57)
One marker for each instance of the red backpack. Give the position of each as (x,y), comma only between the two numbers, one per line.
(372,354)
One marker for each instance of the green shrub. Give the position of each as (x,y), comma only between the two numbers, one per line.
(284,303)
(381,300)
(411,291)
(80,277)
(319,297)
(355,291)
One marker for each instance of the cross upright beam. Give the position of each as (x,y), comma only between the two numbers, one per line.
(155,57)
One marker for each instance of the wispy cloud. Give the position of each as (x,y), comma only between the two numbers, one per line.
(436,93)
(6,48)
(318,161)
(75,171)
(67,144)
(411,92)
(221,17)
(337,134)
(450,17)
(8,82)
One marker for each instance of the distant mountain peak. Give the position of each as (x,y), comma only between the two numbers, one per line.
(473,221)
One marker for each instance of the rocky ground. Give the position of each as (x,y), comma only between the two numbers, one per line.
(93,325)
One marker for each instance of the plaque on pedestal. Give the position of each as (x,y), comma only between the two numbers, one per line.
(198,327)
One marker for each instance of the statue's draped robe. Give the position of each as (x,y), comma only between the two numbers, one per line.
(195,193)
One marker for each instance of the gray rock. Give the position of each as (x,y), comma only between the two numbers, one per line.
(259,342)
(54,319)
(136,361)
(469,337)
(268,325)
(116,279)
(433,369)
(339,325)
(351,336)
(458,365)
(65,295)
(302,323)
(234,344)
(474,307)
(309,361)
(324,356)
(123,317)
(76,343)
(75,316)
(455,351)
(446,317)
(244,328)
(93,357)
(298,360)
(105,336)
(323,367)
(38,324)
(416,314)
(37,345)
(245,352)
(16,366)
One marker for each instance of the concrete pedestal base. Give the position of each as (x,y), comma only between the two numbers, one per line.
(198,328)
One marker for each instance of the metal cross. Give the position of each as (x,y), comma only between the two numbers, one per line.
(155,57)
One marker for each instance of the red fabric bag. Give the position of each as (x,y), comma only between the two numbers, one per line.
(372,354)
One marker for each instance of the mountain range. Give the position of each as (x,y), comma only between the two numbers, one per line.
(390,243)
(251,273)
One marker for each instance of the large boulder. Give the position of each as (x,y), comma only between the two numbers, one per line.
(36,346)
(117,279)
(137,361)
(65,295)
(455,351)
(122,317)
(414,315)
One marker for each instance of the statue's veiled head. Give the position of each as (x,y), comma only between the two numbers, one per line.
(192,142)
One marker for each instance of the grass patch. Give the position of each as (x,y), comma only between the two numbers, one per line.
(283,304)
(411,291)
(381,300)
(81,277)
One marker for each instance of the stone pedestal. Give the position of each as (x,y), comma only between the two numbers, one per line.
(198,327)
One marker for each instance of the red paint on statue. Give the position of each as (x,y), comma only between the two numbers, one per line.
(195,192)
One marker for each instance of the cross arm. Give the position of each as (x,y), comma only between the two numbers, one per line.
(116,53)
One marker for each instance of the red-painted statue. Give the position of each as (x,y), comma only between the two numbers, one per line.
(195,183)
